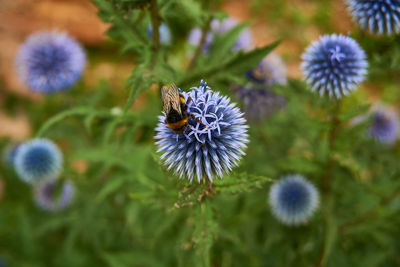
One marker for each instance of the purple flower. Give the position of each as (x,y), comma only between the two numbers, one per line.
(37,160)
(244,41)
(258,102)
(270,71)
(165,33)
(10,152)
(334,65)
(50,61)
(385,126)
(213,141)
(293,199)
(379,16)
(54,195)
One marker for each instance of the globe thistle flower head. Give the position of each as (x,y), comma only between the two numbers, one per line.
(50,61)
(10,152)
(258,102)
(378,16)
(213,141)
(165,33)
(37,160)
(243,42)
(293,200)
(270,71)
(385,126)
(54,195)
(334,65)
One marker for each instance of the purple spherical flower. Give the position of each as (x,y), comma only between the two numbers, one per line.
(54,195)
(293,199)
(379,16)
(334,65)
(213,141)
(243,42)
(37,160)
(385,126)
(270,71)
(165,33)
(50,61)
(258,102)
(10,153)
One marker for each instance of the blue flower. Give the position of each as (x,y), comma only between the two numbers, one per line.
(379,16)
(243,42)
(10,152)
(293,199)
(258,102)
(213,141)
(335,65)
(270,71)
(165,33)
(37,160)
(385,126)
(50,61)
(54,195)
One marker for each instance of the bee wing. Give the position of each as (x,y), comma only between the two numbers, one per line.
(170,98)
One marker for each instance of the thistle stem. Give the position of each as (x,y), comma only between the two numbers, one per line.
(369,213)
(155,24)
(330,164)
(199,48)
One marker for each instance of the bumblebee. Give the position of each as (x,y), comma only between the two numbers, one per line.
(175,108)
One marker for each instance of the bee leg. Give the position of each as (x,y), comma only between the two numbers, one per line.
(196,119)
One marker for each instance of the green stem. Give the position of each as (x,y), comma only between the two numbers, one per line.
(330,227)
(369,213)
(155,24)
(199,48)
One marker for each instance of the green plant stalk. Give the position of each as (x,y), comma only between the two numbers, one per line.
(369,213)
(330,226)
(155,24)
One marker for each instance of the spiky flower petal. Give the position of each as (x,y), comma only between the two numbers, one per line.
(293,199)
(334,65)
(54,195)
(37,160)
(377,16)
(50,61)
(165,33)
(385,126)
(243,42)
(213,141)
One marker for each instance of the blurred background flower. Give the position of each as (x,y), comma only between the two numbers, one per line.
(54,195)
(165,33)
(243,42)
(37,160)
(258,98)
(334,65)
(293,199)
(50,61)
(385,125)
(10,153)
(377,16)
(213,141)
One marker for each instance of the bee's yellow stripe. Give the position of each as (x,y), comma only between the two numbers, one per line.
(178,124)
(182,99)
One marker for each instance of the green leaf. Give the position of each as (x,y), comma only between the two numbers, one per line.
(140,80)
(222,44)
(239,183)
(204,232)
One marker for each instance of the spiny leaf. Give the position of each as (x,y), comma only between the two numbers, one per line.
(238,183)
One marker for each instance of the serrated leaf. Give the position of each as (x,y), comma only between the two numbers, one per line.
(240,183)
